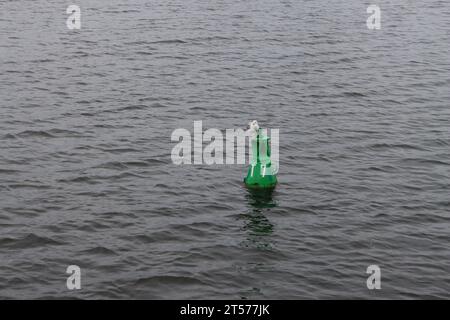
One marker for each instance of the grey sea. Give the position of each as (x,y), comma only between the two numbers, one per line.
(86,176)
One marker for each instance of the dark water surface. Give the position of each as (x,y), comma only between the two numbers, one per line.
(86,176)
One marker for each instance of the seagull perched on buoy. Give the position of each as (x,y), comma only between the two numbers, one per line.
(252,129)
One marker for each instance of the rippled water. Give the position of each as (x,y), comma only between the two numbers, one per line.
(86,176)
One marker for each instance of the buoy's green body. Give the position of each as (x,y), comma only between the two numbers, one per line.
(261,172)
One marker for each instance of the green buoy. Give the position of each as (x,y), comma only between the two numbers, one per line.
(261,174)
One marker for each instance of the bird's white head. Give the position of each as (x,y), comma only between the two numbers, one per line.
(253,127)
